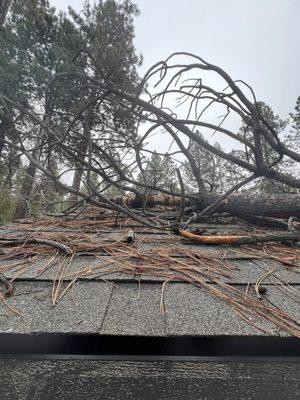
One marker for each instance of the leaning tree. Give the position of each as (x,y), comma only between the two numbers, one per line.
(175,106)
(38,43)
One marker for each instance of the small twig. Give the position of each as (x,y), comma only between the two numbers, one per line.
(182,189)
(259,281)
(13,310)
(265,221)
(47,242)
(161,306)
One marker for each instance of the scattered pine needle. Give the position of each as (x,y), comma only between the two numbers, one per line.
(163,256)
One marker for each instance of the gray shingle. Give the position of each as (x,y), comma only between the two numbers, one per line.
(80,311)
(129,315)
(247,271)
(94,307)
(191,311)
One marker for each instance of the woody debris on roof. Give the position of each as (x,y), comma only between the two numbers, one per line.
(230,260)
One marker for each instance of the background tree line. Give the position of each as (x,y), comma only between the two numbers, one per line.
(37,42)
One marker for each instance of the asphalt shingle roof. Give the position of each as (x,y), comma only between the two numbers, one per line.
(125,304)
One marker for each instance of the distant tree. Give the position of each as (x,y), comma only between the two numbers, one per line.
(21,66)
(293,139)
(27,60)
(233,174)
(107,32)
(36,43)
(159,171)
(208,165)
(115,148)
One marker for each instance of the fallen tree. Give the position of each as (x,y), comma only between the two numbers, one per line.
(117,155)
(245,204)
(239,204)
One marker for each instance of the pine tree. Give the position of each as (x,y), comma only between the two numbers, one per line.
(234,174)
(27,61)
(159,171)
(209,167)
(293,139)
(106,29)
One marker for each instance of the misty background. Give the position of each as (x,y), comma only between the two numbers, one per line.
(253,40)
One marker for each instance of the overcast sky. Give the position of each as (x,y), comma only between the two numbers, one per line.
(254,40)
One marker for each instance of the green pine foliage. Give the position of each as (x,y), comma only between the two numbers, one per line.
(38,43)
(160,171)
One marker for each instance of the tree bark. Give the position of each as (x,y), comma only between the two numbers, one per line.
(26,191)
(83,146)
(239,204)
(6,124)
(240,240)
(73,198)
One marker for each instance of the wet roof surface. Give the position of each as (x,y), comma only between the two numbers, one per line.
(107,300)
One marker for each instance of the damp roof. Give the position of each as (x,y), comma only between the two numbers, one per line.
(148,287)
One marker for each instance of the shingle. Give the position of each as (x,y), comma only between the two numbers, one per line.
(33,270)
(247,271)
(102,308)
(285,298)
(80,311)
(128,314)
(192,311)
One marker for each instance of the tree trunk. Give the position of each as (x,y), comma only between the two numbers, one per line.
(22,209)
(83,146)
(26,191)
(6,124)
(73,198)
(240,204)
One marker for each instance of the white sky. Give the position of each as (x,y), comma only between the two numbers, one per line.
(257,41)
(254,40)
